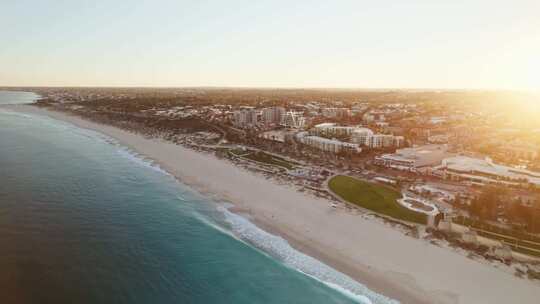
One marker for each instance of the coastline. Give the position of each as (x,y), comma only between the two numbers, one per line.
(383,259)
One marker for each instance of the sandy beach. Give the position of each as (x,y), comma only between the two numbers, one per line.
(378,256)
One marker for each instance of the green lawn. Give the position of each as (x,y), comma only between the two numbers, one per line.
(270,159)
(374,197)
(239,152)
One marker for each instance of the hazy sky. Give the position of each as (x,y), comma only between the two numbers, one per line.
(366,44)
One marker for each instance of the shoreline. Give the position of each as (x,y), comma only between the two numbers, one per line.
(377,256)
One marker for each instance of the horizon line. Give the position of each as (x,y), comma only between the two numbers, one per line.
(279,88)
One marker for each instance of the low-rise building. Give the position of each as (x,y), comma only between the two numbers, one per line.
(414,159)
(275,135)
(325,144)
(359,135)
(520,150)
(373,116)
(478,171)
(332,129)
(378,141)
(438,139)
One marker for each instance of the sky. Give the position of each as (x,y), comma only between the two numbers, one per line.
(473,44)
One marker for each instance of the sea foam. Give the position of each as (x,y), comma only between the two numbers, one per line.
(93,135)
(140,160)
(281,249)
(244,230)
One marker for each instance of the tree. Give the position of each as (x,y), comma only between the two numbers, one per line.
(519,213)
(457,200)
(535,214)
(476,209)
(485,205)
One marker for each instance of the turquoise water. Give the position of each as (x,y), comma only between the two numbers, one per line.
(85,220)
(15,97)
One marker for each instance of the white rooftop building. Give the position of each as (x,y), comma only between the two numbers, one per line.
(359,135)
(412,159)
(273,115)
(293,120)
(325,144)
(483,171)
(336,112)
(328,128)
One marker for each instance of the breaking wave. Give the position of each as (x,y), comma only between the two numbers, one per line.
(140,160)
(244,230)
(281,249)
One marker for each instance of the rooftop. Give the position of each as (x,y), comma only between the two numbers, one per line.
(472,165)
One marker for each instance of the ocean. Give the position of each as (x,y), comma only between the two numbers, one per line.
(85,220)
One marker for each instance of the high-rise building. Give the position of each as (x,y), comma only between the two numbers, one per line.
(272,115)
(336,112)
(245,117)
(293,120)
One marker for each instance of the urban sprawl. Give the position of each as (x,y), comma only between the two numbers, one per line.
(464,170)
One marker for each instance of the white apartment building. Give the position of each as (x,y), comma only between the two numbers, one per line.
(335,112)
(377,141)
(372,117)
(325,144)
(293,120)
(359,108)
(332,129)
(439,139)
(273,115)
(359,135)
(245,117)
(362,136)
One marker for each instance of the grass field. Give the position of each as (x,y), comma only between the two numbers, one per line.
(239,152)
(263,157)
(270,159)
(374,197)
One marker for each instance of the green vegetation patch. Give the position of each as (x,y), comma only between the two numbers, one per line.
(239,152)
(270,159)
(511,238)
(374,197)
